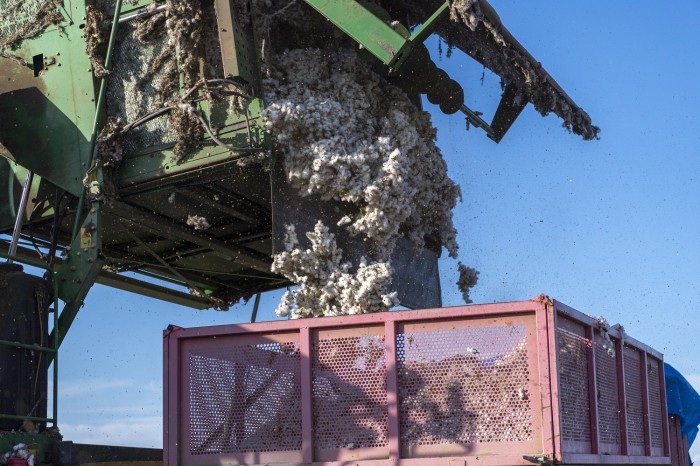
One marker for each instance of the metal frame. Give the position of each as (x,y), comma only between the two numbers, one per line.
(51,351)
(542,314)
(620,340)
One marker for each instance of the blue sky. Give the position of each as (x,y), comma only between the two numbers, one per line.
(610,227)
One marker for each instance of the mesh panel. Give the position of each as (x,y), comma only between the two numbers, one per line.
(573,386)
(17,15)
(349,392)
(655,403)
(131,92)
(633,393)
(608,402)
(245,399)
(465,385)
(144,78)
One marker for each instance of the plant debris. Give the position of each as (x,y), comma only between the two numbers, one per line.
(467,280)
(97,29)
(43,15)
(492,43)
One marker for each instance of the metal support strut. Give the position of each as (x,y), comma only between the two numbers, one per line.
(20,215)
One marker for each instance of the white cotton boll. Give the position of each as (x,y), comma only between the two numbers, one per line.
(198,222)
(284,307)
(348,135)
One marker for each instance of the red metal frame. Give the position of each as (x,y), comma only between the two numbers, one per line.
(621,393)
(540,317)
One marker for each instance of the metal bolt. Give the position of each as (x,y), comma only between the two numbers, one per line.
(77,253)
(58,54)
(89,70)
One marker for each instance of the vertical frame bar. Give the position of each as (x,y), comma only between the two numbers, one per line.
(622,394)
(166,398)
(664,409)
(55,347)
(171,400)
(545,321)
(593,391)
(645,403)
(306,383)
(392,392)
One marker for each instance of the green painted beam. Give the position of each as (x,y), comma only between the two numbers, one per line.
(427,28)
(132,285)
(79,271)
(46,118)
(358,22)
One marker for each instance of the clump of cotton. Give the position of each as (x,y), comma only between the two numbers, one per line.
(347,135)
(604,327)
(198,222)
(327,285)
(468,277)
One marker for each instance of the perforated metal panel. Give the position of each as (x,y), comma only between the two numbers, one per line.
(451,386)
(635,406)
(655,411)
(133,86)
(464,385)
(17,15)
(608,402)
(244,398)
(573,384)
(349,391)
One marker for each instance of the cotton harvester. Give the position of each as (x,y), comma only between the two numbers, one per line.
(134,144)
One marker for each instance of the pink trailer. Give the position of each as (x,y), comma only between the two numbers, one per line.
(491,384)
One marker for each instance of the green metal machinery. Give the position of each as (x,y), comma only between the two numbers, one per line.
(120,120)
